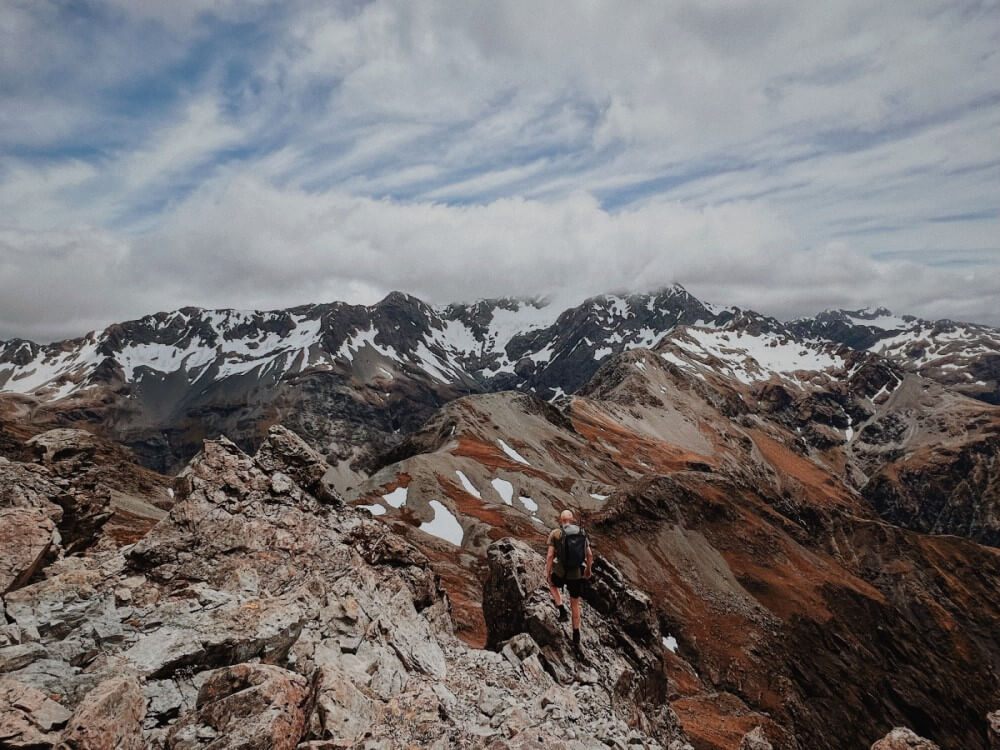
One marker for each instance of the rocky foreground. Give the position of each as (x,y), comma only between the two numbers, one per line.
(256,610)
(262,613)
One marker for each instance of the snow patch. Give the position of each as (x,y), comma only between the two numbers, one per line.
(468,486)
(375,510)
(504,489)
(528,503)
(597,496)
(396,498)
(512,453)
(670,643)
(600,354)
(444,525)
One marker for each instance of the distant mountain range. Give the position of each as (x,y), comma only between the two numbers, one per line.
(351,378)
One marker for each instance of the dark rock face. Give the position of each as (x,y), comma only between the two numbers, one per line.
(947,492)
(993,720)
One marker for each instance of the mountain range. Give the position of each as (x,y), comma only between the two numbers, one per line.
(797,523)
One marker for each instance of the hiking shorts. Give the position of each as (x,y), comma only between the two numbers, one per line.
(573,585)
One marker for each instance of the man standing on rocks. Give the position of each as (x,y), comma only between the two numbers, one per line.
(568,564)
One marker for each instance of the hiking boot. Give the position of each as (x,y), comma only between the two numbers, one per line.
(563,614)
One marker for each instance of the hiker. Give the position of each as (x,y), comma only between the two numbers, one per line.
(568,564)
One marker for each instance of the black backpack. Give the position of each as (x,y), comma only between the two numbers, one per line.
(574,549)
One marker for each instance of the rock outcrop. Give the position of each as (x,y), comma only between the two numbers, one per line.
(260,615)
(901,738)
(621,642)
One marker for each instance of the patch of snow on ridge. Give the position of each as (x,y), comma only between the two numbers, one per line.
(597,496)
(670,643)
(359,340)
(444,525)
(375,510)
(752,358)
(459,338)
(886,322)
(468,486)
(512,453)
(528,503)
(600,354)
(504,489)
(396,498)
(505,324)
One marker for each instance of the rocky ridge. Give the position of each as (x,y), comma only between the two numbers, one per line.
(258,614)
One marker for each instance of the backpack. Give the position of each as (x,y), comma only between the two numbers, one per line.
(573,551)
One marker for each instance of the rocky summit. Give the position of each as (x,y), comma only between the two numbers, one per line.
(326,527)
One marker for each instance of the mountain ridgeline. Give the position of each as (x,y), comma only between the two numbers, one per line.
(327,525)
(352,379)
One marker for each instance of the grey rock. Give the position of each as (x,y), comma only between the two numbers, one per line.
(755,740)
(342,711)
(409,635)
(490,701)
(287,455)
(16,657)
(902,738)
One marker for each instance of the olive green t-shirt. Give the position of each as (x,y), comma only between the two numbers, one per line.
(557,567)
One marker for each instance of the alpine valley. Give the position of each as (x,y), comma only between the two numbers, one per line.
(325,527)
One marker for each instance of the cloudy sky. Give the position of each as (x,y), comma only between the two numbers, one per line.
(775,154)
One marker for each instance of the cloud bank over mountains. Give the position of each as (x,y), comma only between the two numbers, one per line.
(769,154)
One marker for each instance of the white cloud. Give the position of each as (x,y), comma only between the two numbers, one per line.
(765,153)
(244,243)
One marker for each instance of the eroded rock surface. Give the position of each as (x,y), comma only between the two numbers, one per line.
(901,738)
(258,614)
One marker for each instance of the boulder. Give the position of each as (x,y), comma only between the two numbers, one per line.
(755,740)
(902,738)
(28,719)
(246,706)
(27,535)
(109,718)
(515,571)
(285,453)
(342,712)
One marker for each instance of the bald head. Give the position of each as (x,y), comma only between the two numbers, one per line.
(566,517)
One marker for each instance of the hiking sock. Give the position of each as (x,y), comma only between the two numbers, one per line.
(576,637)
(563,614)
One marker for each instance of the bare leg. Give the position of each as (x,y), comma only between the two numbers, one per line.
(574,606)
(555,595)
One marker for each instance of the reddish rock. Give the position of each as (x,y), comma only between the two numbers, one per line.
(26,536)
(109,718)
(246,706)
(28,719)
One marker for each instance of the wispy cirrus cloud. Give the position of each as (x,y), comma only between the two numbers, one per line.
(273,153)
